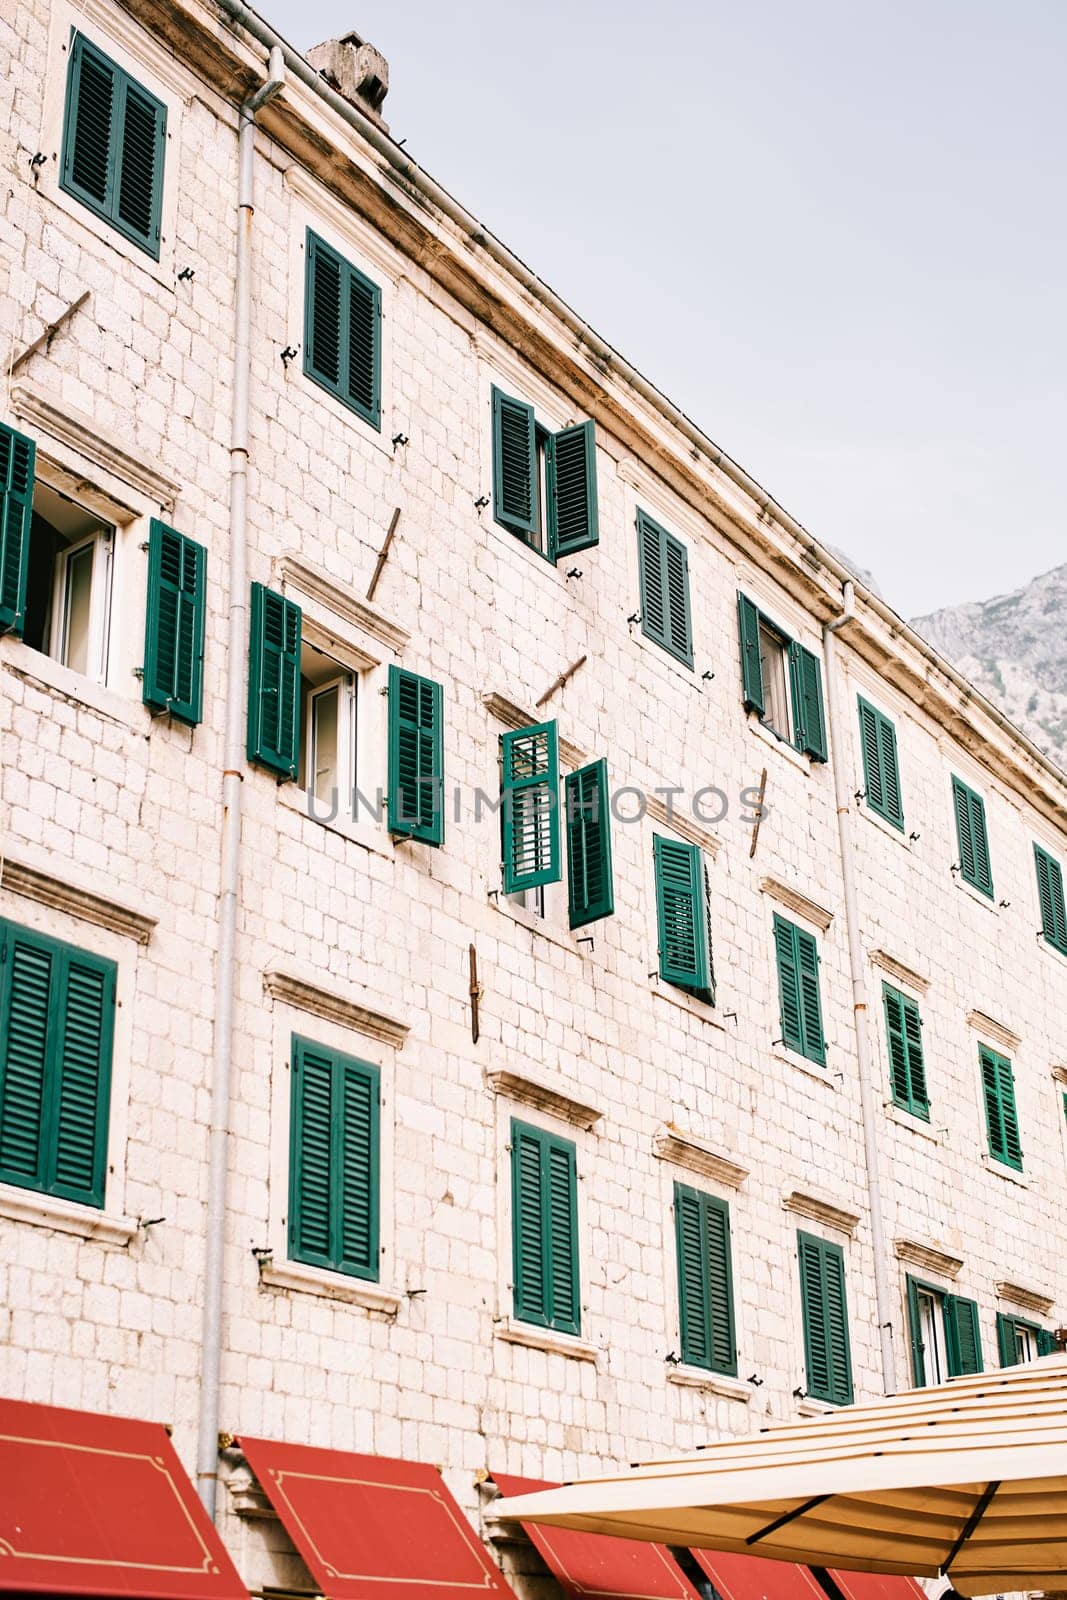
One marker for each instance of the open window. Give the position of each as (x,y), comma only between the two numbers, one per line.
(945,1337)
(781,682)
(329,711)
(68,583)
(544,483)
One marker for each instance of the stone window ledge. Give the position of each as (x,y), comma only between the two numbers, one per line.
(811,1069)
(331,1285)
(810,1407)
(364,834)
(716,1383)
(685,1002)
(795,757)
(907,1119)
(1009,1174)
(974,894)
(54,678)
(66,1216)
(536,925)
(534,1338)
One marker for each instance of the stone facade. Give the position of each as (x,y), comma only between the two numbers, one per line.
(111,840)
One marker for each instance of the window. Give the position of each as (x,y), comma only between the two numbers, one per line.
(544,1229)
(172,680)
(342,330)
(274,657)
(770,659)
(1019,1341)
(334,1161)
(590,887)
(907,1070)
(705,1280)
(825,1315)
(114,139)
(1002,1122)
(329,711)
(57,1006)
(683,917)
(945,1337)
(664,568)
(544,484)
(416,757)
(972,838)
(798,990)
(881,775)
(1050,899)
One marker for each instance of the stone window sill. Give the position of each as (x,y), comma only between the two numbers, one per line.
(74,686)
(716,1383)
(536,925)
(364,834)
(980,899)
(811,1069)
(907,1119)
(534,1338)
(810,1407)
(66,1216)
(686,1002)
(890,829)
(1009,1174)
(296,1275)
(795,757)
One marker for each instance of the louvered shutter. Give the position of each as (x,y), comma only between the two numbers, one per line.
(322,314)
(89,127)
(274,682)
(114,143)
(971,834)
(416,757)
(679,622)
(83,1073)
(174,624)
(650,563)
(915,1335)
(664,571)
(825,1315)
(751,663)
(356,1185)
(363,345)
(693,1309)
(570,472)
(590,890)
(1007,1344)
(342,329)
(139,179)
(887,747)
(27,988)
(918,1100)
(788,984)
(1002,1123)
(17,461)
(807,956)
(311,1136)
(562,1231)
(514,463)
(1046,1342)
(530,824)
(334,1161)
(872,757)
(682,915)
(528,1242)
(1051,899)
(837,1324)
(898,1049)
(962,1336)
(809,719)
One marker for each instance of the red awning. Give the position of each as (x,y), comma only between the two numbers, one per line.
(756,1578)
(875,1586)
(598,1564)
(370,1528)
(97,1505)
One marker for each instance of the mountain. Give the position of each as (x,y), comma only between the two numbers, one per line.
(1014,648)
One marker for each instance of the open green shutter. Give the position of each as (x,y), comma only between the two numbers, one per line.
(664,573)
(681,909)
(809,718)
(837,1323)
(969,809)
(898,1049)
(322,313)
(530,807)
(114,143)
(1051,899)
(17,461)
(174,624)
(590,890)
(570,471)
(915,1335)
(274,682)
(355,1187)
(962,1335)
(1007,1346)
(1046,1342)
(416,803)
(872,757)
(751,663)
(650,540)
(311,1139)
(807,955)
(514,463)
(561,1200)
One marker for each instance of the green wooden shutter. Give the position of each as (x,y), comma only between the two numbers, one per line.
(664,571)
(705,1280)
(56,1023)
(18,457)
(915,1335)
(681,908)
(590,890)
(514,463)
(1002,1123)
(751,662)
(562,1230)
(881,774)
(363,346)
(971,835)
(342,329)
(809,719)
(808,969)
(357,1182)
(323,290)
(907,1066)
(416,757)
(1046,1342)
(311,1136)
(1007,1347)
(825,1315)
(544,1220)
(1050,897)
(528,1243)
(962,1336)
(174,624)
(570,475)
(114,142)
(788,984)
(334,1161)
(274,682)
(530,807)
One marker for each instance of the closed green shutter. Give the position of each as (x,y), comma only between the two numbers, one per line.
(797,958)
(907,1067)
(514,464)
(705,1280)
(18,457)
(751,663)
(544,1215)
(56,1026)
(570,473)
(274,682)
(588,821)
(824,1310)
(174,624)
(682,916)
(530,807)
(962,1336)
(971,836)
(664,570)
(1002,1123)
(881,774)
(1050,897)
(342,330)
(809,718)
(114,139)
(416,757)
(334,1161)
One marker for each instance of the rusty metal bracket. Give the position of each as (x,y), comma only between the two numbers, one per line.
(383,555)
(759,814)
(563,678)
(45,339)
(475,992)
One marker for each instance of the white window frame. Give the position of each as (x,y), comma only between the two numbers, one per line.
(346,685)
(782,687)
(931,1305)
(103,544)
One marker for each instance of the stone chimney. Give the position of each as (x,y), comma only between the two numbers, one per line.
(357,71)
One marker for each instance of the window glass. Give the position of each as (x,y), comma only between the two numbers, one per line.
(775,681)
(68,583)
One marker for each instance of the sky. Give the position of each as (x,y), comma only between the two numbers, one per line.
(833,232)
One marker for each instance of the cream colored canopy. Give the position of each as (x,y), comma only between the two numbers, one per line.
(968,1479)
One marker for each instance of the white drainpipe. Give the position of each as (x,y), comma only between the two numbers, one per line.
(232,778)
(857,964)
